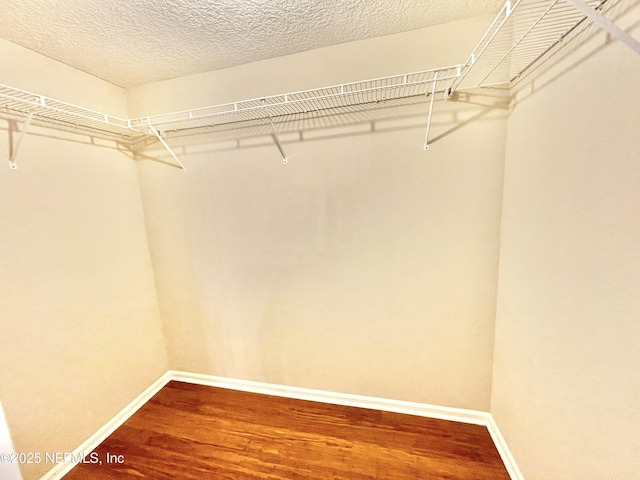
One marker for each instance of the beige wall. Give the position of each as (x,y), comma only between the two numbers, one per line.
(566,381)
(365,266)
(80,329)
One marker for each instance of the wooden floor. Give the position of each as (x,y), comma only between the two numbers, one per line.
(194,432)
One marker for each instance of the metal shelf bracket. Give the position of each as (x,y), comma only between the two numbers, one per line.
(166,146)
(433,96)
(16,147)
(276,139)
(603,22)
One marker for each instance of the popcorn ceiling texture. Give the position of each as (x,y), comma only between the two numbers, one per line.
(129,42)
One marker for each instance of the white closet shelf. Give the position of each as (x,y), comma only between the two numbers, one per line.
(343,98)
(52,112)
(523,32)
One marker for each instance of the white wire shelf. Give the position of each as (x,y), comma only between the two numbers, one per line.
(344,98)
(52,112)
(523,32)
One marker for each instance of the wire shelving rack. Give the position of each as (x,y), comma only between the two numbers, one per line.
(522,33)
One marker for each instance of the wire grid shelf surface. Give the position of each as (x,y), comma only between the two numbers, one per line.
(49,111)
(336,99)
(522,33)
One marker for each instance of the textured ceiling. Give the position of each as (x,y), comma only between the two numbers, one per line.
(129,42)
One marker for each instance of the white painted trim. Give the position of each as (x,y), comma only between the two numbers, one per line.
(475,417)
(410,408)
(107,429)
(503,450)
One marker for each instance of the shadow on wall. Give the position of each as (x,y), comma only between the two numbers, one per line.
(306,265)
(393,115)
(11,127)
(389,115)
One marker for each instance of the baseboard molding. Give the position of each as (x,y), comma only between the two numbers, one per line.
(107,429)
(410,408)
(475,417)
(503,450)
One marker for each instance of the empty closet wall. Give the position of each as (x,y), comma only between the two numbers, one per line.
(566,386)
(365,265)
(81,334)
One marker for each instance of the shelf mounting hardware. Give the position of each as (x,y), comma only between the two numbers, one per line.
(433,96)
(276,138)
(607,25)
(14,154)
(166,146)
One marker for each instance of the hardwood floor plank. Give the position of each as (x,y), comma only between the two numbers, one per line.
(191,431)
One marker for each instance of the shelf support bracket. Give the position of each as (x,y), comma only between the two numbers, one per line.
(607,25)
(166,146)
(433,96)
(14,154)
(276,139)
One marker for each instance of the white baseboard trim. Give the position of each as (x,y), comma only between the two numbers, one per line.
(107,429)
(398,406)
(501,445)
(475,417)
